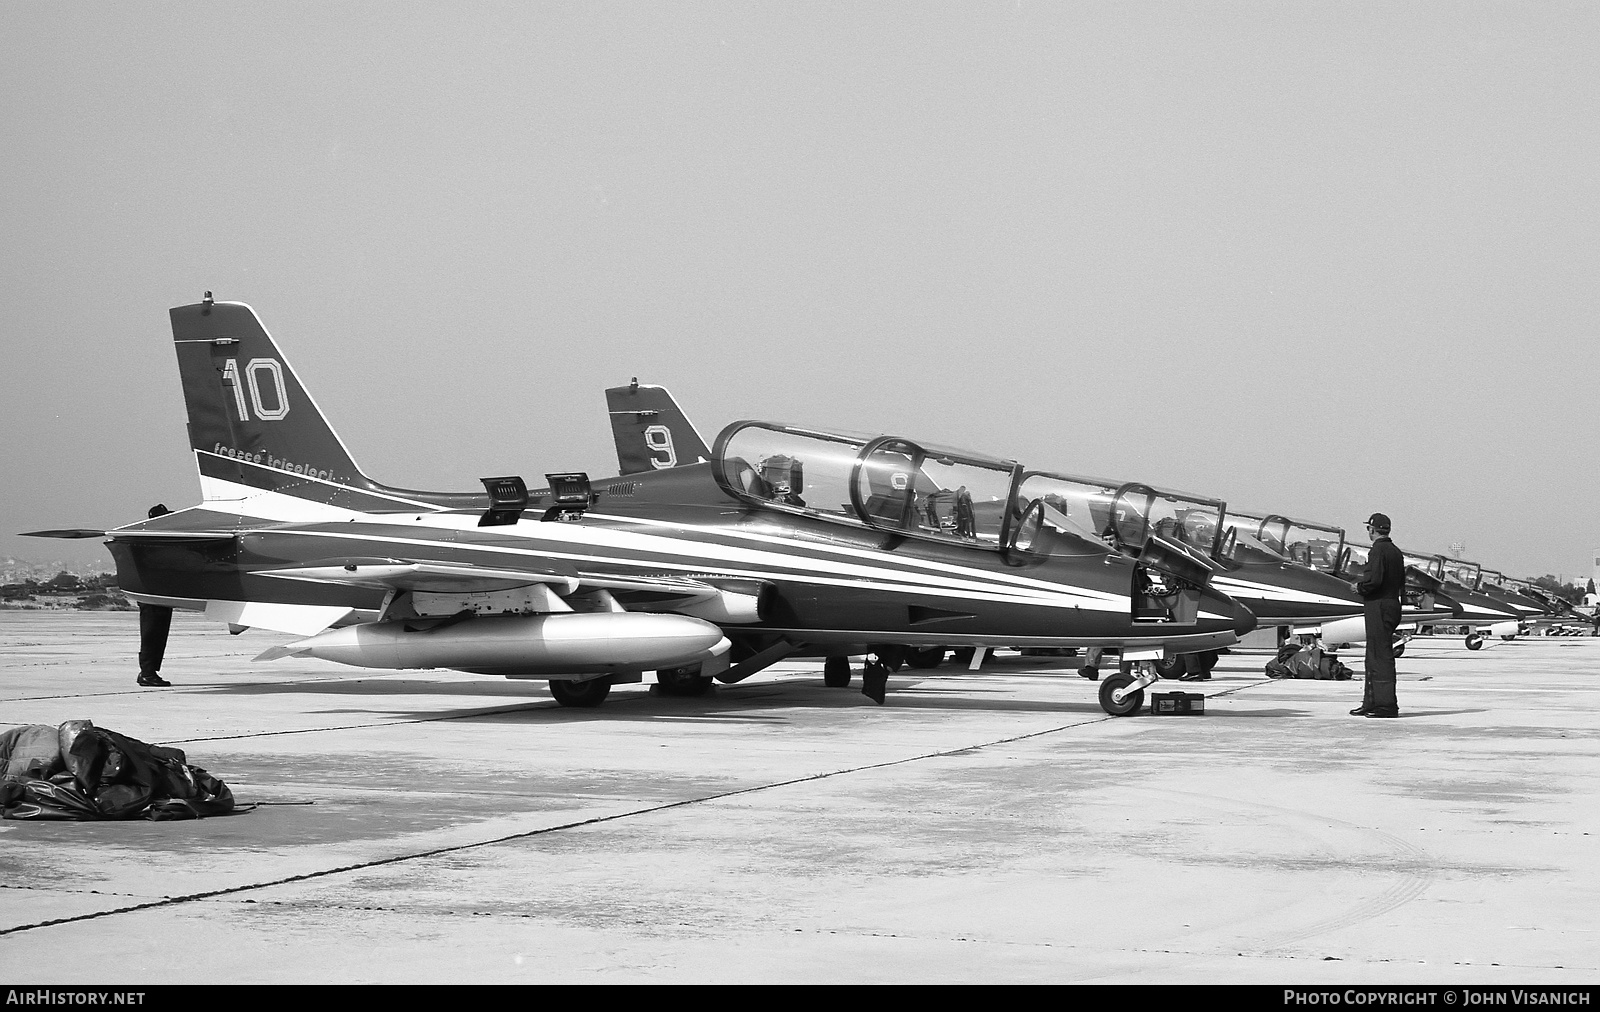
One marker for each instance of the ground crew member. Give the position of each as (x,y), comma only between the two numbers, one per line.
(155,621)
(1380,588)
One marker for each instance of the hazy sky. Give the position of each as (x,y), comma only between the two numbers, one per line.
(1320,259)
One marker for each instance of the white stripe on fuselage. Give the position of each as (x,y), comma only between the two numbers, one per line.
(942,579)
(1235,587)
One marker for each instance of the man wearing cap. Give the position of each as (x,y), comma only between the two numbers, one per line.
(1380,588)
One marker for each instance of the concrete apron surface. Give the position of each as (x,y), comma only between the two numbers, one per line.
(993,826)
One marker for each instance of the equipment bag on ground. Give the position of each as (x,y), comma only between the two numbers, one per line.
(81,772)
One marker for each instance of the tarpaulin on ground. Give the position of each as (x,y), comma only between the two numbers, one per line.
(1294,661)
(82,772)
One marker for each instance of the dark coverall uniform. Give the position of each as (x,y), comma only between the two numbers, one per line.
(155,622)
(1380,590)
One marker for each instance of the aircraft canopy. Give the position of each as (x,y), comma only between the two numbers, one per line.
(1306,542)
(887,482)
(1464,573)
(1127,514)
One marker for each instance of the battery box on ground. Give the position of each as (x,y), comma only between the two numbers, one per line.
(1168,703)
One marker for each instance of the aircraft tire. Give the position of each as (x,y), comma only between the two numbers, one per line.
(1399,651)
(836,672)
(1130,704)
(1169,667)
(683,681)
(963,655)
(1474,641)
(929,658)
(581,694)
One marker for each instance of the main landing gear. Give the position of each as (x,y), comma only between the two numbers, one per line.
(1474,640)
(585,694)
(1122,694)
(1188,667)
(875,672)
(682,681)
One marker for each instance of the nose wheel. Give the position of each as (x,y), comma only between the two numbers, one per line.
(1122,694)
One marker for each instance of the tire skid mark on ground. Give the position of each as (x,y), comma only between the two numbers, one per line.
(1415,876)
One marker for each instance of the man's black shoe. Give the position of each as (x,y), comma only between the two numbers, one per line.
(1092,674)
(152,680)
(1383,713)
(1195,676)
(1360,711)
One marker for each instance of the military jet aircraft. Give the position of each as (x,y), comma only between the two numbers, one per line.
(1469,609)
(650,428)
(788,540)
(1483,613)
(1494,585)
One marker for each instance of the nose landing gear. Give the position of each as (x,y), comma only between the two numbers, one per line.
(1122,694)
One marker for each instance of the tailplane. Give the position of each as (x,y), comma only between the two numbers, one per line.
(652,433)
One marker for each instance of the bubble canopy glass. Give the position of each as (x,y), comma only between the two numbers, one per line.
(889,483)
(1432,565)
(1129,513)
(1464,573)
(1306,542)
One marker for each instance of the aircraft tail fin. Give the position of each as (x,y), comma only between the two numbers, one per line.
(255,429)
(652,433)
(252,425)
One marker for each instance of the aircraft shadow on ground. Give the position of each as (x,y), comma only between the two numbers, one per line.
(526,701)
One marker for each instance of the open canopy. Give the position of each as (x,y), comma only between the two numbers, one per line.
(1432,565)
(940,493)
(1273,536)
(886,482)
(1128,514)
(1464,573)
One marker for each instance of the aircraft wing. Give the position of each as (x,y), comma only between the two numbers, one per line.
(461,578)
(430,577)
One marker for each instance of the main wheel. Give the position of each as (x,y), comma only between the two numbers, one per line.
(836,672)
(590,693)
(963,655)
(929,658)
(683,681)
(1399,651)
(1474,641)
(1130,703)
(1170,667)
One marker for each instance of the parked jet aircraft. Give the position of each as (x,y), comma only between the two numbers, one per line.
(1496,617)
(1473,611)
(1494,585)
(788,540)
(1126,515)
